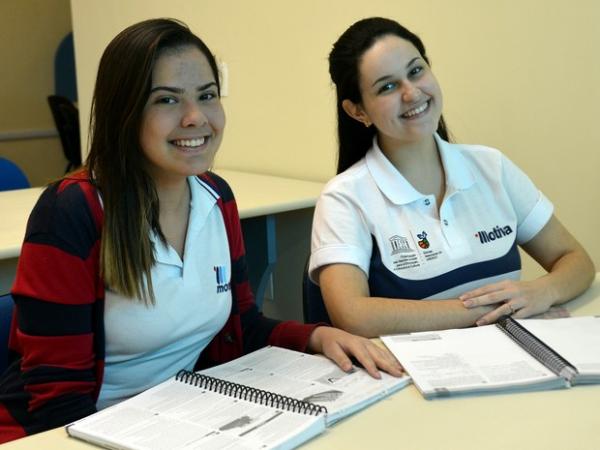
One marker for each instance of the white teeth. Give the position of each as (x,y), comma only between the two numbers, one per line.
(414,112)
(189,142)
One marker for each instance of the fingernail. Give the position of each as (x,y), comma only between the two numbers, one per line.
(480,323)
(467,303)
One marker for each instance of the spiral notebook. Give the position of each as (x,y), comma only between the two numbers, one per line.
(271,398)
(511,355)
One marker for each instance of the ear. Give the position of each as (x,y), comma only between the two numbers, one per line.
(356,111)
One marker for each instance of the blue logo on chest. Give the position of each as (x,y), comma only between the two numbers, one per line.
(223,285)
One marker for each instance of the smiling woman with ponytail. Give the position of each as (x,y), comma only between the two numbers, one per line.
(395,243)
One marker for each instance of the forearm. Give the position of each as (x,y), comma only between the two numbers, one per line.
(568,277)
(570,272)
(570,269)
(375,316)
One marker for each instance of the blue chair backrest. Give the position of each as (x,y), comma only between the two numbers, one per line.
(65,80)
(313,306)
(6,309)
(11,176)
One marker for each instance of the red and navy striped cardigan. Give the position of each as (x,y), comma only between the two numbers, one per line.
(56,342)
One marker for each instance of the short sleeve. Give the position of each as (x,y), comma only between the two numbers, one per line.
(532,208)
(340,233)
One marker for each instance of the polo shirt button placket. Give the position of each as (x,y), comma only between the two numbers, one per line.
(448,233)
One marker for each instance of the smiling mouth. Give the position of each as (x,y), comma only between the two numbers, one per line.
(416,112)
(190,143)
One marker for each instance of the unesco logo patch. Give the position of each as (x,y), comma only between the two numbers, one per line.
(399,244)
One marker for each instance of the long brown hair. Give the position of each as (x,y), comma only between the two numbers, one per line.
(116,159)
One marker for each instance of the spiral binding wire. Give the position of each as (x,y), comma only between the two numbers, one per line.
(536,348)
(249,393)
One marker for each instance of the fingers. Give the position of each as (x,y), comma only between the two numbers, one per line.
(479,291)
(340,347)
(385,360)
(488,295)
(373,357)
(506,309)
(348,345)
(337,354)
(365,359)
(492,317)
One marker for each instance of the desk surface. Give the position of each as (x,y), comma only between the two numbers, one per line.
(561,419)
(256,195)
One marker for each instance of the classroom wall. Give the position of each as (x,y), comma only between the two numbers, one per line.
(30,31)
(520,75)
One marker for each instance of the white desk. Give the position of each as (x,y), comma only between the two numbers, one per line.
(561,419)
(259,198)
(549,420)
(15,206)
(256,195)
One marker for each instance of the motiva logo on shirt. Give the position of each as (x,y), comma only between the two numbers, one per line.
(222,284)
(496,233)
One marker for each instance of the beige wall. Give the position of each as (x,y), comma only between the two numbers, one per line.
(521,75)
(30,31)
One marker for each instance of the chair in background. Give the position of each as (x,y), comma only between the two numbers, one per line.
(313,307)
(66,118)
(11,176)
(6,309)
(65,79)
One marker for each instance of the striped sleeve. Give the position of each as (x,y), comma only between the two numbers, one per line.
(56,292)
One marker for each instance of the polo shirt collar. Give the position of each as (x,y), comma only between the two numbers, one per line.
(458,175)
(203,199)
(397,188)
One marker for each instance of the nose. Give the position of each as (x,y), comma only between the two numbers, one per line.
(192,115)
(410,92)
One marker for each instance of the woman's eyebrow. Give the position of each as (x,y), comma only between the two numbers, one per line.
(177,90)
(168,89)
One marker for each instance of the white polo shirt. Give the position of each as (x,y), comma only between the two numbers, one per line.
(372,217)
(145,345)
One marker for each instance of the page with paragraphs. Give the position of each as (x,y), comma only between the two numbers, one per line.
(471,360)
(175,415)
(311,378)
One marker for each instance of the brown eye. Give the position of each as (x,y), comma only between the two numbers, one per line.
(165,100)
(207,96)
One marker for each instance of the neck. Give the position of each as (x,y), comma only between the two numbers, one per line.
(407,156)
(172,194)
(420,163)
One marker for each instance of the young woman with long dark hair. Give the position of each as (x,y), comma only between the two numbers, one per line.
(133,267)
(415,232)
